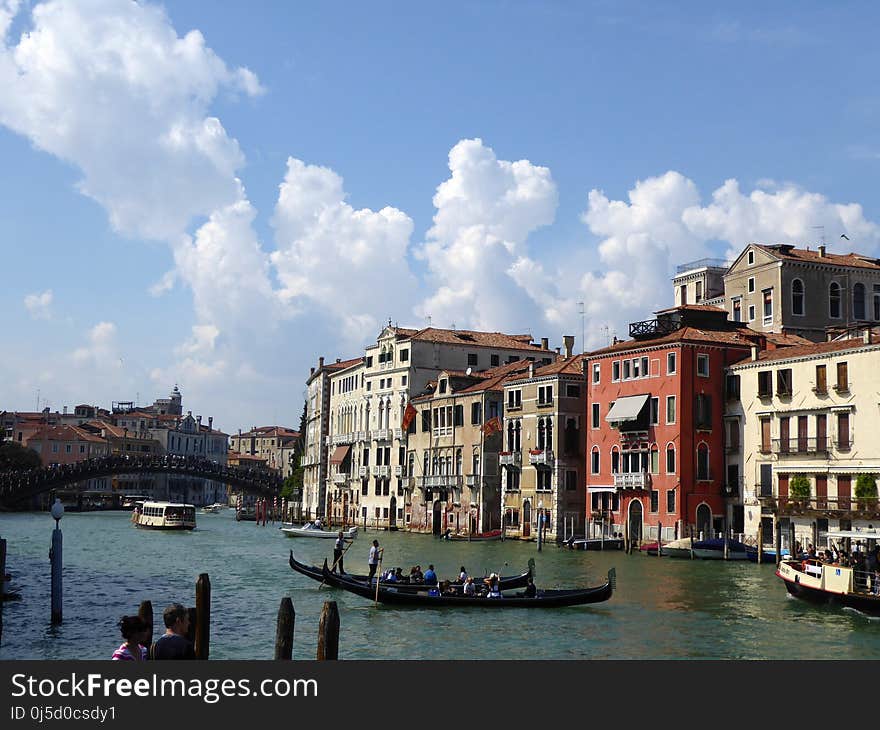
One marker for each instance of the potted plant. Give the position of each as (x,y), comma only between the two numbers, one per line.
(799,489)
(866,491)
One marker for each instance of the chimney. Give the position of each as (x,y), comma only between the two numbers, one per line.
(320,362)
(210,423)
(822,250)
(189,414)
(311,371)
(557,351)
(199,420)
(338,359)
(531,369)
(545,343)
(65,410)
(867,335)
(568,345)
(754,352)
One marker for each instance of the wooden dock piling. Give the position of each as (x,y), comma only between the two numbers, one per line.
(659,544)
(778,539)
(55,558)
(760,542)
(145,611)
(328,632)
(203,616)
(2,581)
(284,629)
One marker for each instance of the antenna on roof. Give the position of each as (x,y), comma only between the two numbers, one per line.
(429,320)
(452,326)
(581,311)
(822,235)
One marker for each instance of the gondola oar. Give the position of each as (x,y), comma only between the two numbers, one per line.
(379,575)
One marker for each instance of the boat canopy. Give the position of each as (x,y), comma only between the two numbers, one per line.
(854,534)
(626,409)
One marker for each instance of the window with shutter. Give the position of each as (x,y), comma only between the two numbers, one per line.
(842,378)
(821,379)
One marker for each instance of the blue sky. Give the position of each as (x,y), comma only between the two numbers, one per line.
(643,135)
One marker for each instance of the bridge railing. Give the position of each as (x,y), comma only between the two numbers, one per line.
(33,481)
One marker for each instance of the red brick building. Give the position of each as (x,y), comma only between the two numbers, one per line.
(654,430)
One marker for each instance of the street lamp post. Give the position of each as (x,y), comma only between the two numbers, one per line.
(55,554)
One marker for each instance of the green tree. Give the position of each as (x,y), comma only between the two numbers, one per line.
(14,456)
(866,490)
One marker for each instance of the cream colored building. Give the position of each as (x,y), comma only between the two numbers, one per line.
(781,288)
(366,414)
(811,411)
(452,452)
(317,428)
(272,444)
(543,456)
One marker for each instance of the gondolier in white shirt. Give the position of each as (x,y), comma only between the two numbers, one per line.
(373,560)
(338,552)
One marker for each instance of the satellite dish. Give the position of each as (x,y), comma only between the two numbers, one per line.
(468,371)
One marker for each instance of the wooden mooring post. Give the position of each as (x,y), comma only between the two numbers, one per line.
(203,616)
(328,632)
(778,539)
(2,581)
(726,553)
(760,542)
(284,629)
(145,611)
(55,558)
(792,547)
(659,543)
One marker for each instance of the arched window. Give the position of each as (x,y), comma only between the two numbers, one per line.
(670,459)
(702,461)
(517,436)
(797,297)
(458,461)
(594,460)
(859,301)
(435,466)
(549,435)
(655,459)
(510,441)
(615,460)
(425,464)
(834,300)
(540,433)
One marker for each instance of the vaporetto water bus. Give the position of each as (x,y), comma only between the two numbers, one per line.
(165,516)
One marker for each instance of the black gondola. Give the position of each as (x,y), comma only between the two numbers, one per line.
(422,598)
(316,573)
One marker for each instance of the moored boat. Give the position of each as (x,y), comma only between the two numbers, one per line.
(164,516)
(428,597)
(316,573)
(768,554)
(309,530)
(713,549)
(680,548)
(596,543)
(474,536)
(211,509)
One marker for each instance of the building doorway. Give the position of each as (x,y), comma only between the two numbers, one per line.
(704,522)
(436,525)
(635,521)
(392,514)
(527,519)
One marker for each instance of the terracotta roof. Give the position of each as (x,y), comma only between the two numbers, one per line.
(785,339)
(742,337)
(483,380)
(477,339)
(571,366)
(343,364)
(64,433)
(693,308)
(860,261)
(812,349)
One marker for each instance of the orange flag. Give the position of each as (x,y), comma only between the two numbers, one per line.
(408,416)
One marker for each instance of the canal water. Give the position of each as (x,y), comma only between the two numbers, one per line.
(663,608)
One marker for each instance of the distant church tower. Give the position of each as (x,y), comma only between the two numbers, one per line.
(175,408)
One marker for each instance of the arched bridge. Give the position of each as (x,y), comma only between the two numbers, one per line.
(16,486)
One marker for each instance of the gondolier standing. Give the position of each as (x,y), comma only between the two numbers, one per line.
(338,552)
(375,556)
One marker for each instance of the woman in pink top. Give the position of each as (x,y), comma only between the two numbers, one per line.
(134,630)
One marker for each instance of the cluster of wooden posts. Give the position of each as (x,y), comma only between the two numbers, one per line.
(200,625)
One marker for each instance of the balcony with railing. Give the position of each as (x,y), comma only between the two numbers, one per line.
(706,263)
(340,479)
(510,458)
(800,445)
(363,471)
(381,434)
(866,508)
(383,471)
(632,480)
(472,480)
(541,457)
(653,328)
(399,471)
(398,433)
(362,436)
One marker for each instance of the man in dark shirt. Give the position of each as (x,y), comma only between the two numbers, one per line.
(173,644)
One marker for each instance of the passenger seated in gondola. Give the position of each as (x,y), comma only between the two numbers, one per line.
(430,577)
(391,576)
(415,575)
(447,589)
(469,588)
(494,586)
(531,591)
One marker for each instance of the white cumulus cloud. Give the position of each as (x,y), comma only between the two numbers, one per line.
(39,305)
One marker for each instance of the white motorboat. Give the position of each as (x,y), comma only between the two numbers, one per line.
(164,516)
(212,509)
(309,530)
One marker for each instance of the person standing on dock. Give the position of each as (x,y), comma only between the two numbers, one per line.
(373,560)
(173,644)
(134,631)
(338,551)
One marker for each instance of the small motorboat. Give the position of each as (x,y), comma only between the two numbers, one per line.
(211,509)
(713,549)
(430,597)
(473,536)
(595,543)
(316,573)
(309,530)
(768,554)
(817,582)
(680,548)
